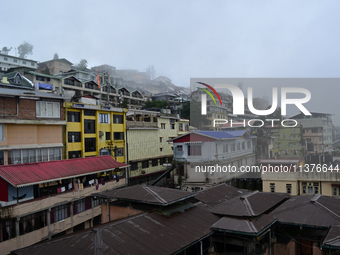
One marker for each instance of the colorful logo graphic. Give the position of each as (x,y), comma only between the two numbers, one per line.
(208,92)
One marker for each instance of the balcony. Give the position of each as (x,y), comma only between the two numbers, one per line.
(141,124)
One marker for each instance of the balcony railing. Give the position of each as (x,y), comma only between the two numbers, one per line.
(141,124)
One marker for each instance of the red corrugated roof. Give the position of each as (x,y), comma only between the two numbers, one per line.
(33,173)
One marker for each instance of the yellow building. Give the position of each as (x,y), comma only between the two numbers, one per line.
(94,130)
(149,153)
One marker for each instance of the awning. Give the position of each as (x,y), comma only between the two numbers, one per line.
(28,174)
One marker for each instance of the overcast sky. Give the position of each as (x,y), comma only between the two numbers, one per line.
(183,39)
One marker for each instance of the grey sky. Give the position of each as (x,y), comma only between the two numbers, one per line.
(183,39)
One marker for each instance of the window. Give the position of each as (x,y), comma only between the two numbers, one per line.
(90,144)
(289,188)
(34,155)
(186,127)
(155,162)
(179,147)
(310,188)
(162,161)
(194,150)
(161,149)
(272,187)
(134,166)
(161,139)
(89,126)
(24,62)
(69,82)
(104,118)
(40,78)
(243,146)
(2,132)
(180,126)
(162,125)
(48,109)
(145,164)
(118,119)
(73,137)
(118,135)
(225,148)
(172,125)
(60,212)
(74,154)
(15,60)
(119,152)
(73,116)
(108,136)
(6,59)
(284,135)
(249,144)
(238,146)
(89,112)
(232,146)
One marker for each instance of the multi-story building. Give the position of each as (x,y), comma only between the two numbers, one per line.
(306,179)
(54,66)
(48,199)
(7,62)
(149,152)
(195,152)
(94,130)
(288,141)
(31,124)
(317,132)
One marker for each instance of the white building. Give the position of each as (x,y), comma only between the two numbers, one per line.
(198,153)
(7,62)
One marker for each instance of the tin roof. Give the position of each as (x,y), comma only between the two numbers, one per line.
(148,195)
(147,233)
(218,194)
(332,238)
(251,204)
(309,210)
(244,226)
(20,175)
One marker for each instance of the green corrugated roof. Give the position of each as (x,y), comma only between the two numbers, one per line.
(44,75)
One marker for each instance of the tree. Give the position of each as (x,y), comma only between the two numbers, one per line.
(151,72)
(161,104)
(125,104)
(196,118)
(185,112)
(25,49)
(82,64)
(55,56)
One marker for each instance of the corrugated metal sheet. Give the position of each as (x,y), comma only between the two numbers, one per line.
(218,194)
(148,194)
(251,204)
(310,210)
(332,239)
(32,173)
(148,233)
(246,226)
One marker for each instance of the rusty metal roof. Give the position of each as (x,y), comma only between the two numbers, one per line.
(251,204)
(218,194)
(244,226)
(147,233)
(148,195)
(20,175)
(309,210)
(332,238)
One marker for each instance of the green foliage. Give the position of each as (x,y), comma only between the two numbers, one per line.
(196,118)
(25,49)
(125,104)
(162,104)
(185,112)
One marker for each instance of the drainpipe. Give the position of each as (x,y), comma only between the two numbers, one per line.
(201,248)
(108,210)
